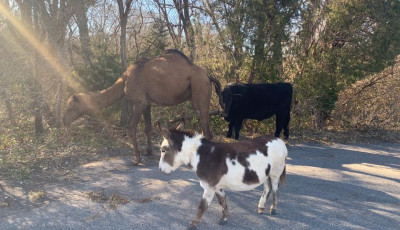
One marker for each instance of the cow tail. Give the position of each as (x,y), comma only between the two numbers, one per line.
(283,176)
(218,90)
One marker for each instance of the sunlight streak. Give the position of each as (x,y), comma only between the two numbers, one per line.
(374,170)
(38,46)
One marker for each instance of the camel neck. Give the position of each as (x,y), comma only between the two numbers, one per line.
(110,95)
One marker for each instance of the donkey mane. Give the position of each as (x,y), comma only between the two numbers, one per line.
(185,132)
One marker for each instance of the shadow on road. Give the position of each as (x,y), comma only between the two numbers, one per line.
(328,187)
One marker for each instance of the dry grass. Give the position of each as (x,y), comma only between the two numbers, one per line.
(36,196)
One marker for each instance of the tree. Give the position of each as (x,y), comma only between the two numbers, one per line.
(182,6)
(127,106)
(80,9)
(341,42)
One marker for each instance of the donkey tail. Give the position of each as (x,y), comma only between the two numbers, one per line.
(283,176)
(218,90)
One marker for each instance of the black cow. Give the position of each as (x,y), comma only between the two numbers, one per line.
(257,101)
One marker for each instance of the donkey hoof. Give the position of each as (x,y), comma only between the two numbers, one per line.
(222,221)
(260,210)
(191,227)
(273,212)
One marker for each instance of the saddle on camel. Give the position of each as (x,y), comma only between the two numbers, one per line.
(166,80)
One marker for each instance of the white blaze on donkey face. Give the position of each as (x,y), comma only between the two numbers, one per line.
(172,158)
(164,167)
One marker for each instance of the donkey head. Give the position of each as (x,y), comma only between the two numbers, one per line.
(76,107)
(172,155)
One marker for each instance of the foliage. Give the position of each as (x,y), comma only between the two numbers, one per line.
(338,54)
(371,103)
(104,70)
(341,42)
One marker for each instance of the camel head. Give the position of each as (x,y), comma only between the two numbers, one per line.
(77,106)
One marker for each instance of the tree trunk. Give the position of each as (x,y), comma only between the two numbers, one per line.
(184,16)
(10,110)
(257,67)
(82,22)
(175,39)
(127,106)
(188,29)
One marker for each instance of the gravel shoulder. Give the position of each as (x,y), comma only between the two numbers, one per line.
(335,186)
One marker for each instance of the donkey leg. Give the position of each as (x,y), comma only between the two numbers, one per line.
(208,195)
(275,186)
(136,114)
(147,129)
(221,196)
(264,196)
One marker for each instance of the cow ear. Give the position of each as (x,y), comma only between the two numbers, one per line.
(181,125)
(164,131)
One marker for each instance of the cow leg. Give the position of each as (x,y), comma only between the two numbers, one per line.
(238,126)
(208,195)
(230,129)
(275,185)
(286,125)
(279,124)
(265,195)
(147,129)
(221,196)
(136,114)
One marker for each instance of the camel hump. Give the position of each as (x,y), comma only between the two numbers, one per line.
(174,51)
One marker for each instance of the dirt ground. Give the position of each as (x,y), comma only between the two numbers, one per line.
(329,186)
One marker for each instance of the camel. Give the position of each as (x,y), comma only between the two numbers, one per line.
(166,80)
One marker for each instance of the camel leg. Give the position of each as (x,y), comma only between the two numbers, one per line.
(205,123)
(136,114)
(147,129)
(201,96)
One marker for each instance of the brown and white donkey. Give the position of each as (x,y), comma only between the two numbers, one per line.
(239,166)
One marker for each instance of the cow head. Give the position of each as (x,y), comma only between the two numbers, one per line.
(227,98)
(171,148)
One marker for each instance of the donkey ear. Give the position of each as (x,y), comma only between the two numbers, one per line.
(181,125)
(164,131)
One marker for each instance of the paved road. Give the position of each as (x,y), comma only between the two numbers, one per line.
(328,187)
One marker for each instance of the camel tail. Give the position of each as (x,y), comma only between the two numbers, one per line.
(218,91)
